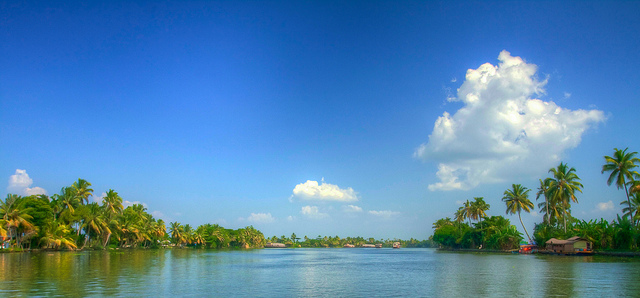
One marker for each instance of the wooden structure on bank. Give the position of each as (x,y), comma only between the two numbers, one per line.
(573,245)
(275,245)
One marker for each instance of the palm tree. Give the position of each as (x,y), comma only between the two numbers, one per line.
(15,216)
(562,188)
(57,234)
(517,199)
(478,208)
(439,223)
(459,215)
(620,166)
(112,203)
(542,190)
(82,190)
(176,231)
(632,210)
(94,221)
(467,211)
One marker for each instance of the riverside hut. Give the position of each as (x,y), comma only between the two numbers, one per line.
(573,245)
(275,245)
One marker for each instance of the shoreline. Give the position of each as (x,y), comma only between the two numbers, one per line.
(626,254)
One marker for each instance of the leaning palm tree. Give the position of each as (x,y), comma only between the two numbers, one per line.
(517,199)
(621,167)
(562,188)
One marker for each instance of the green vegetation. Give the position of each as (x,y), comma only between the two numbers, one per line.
(559,192)
(336,242)
(68,221)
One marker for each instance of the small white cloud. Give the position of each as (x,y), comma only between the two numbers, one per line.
(157,214)
(453,80)
(126,203)
(351,208)
(291,218)
(459,202)
(19,184)
(567,95)
(35,191)
(98,198)
(502,130)
(312,191)
(261,218)
(313,212)
(384,213)
(605,206)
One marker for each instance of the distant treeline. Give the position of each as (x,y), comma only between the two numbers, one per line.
(329,241)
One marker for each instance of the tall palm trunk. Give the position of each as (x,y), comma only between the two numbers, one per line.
(546,200)
(629,202)
(107,241)
(525,228)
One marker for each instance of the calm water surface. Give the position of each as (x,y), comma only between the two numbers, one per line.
(314,272)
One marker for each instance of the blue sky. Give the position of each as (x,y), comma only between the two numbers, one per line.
(316,117)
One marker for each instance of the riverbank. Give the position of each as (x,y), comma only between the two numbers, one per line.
(629,254)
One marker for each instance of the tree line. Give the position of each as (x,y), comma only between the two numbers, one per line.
(68,221)
(556,193)
(336,241)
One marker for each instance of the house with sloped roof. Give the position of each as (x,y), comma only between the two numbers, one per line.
(573,245)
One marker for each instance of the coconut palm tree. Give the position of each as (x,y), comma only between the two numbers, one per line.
(517,199)
(478,208)
(56,235)
(621,166)
(176,230)
(467,211)
(15,216)
(633,210)
(82,190)
(562,188)
(94,221)
(542,189)
(112,203)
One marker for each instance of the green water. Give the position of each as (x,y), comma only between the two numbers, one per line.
(314,272)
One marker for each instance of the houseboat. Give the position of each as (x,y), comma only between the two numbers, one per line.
(349,245)
(572,246)
(396,245)
(368,246)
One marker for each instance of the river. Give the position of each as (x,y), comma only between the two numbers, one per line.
(349,272)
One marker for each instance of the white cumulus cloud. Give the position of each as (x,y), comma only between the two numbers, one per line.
(384,213)
(261,218)
(605,206)
(312,191)
(351,208)
(20,182)
(502,130)
(313,212)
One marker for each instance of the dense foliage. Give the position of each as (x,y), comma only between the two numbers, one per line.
(68,221)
